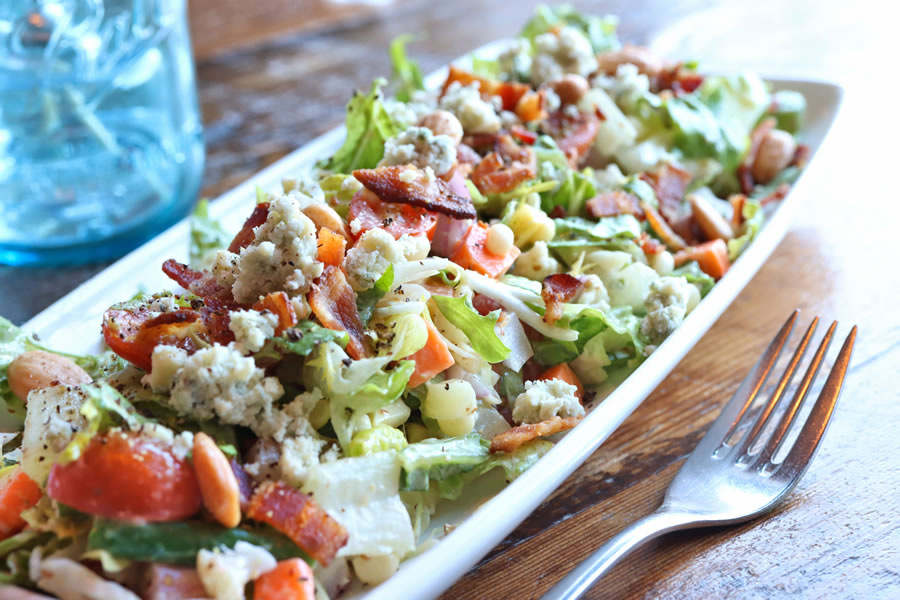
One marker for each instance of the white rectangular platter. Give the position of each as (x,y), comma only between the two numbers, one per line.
(73,324)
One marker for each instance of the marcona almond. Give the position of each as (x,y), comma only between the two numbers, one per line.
(441,122)
(37,369)
(775,153)
(325,216)
(218,485)
(571,88)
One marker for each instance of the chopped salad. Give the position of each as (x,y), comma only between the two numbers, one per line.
(434,301)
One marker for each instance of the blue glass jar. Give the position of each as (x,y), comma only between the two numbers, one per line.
(101,141)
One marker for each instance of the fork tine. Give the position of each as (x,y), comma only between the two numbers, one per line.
(746,393)
(765,415)
(804,448)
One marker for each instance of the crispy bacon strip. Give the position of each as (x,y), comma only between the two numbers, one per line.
(280,304)
(744,170)
(297,515)
(669,184)
(574,135)
(246,235)
(333,302)
(201,283)
(511,439)
(502,170)
(616,202)
(408,185)
(510,92)
(557,290)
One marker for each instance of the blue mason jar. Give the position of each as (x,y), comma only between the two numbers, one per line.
(101,143)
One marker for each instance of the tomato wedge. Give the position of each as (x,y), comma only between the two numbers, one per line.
(128,477)
(396,219)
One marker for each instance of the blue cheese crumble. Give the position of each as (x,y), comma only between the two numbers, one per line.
(282,256)
(251,329)
(544,399)
(419,146)
(474,114)
(370,257)
(569,51)
(668,301)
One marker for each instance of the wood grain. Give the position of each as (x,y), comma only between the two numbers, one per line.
(836,535)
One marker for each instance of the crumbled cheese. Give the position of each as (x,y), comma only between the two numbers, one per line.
(298,454)
(166,362)
(251,329)
(163,304)
(419,146)
(667,304)
(545,399)
(593,292)
(301,307)
(515,61)
(475,115)
(356,226)
(370,257)
(536,263)
(282,256)
(305,189)
(53,417)
(224,572)
(414,247)
(183,444)
(406,114)
(626,86)
(219,382)
(557,54)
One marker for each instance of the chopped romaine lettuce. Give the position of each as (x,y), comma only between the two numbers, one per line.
(700,134)
(589,322)
(789,110)
(753,219)
(12,344)
(301,339)
(600,31)
(406,72)
(478,329)
(378,439)
(207,236)
(367,299)
(440,459)
(339,189)
(368,127)
(692,273)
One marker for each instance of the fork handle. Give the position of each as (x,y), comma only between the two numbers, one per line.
(581,578)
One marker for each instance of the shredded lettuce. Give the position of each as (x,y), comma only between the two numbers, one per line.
(601,31)
(596,232)
(573,189)
(301,339)
(378,439)
(440,459)
(589,322)
(207,236)
(478,329)
(406,72)
(366,300)
(339,189)
(368,127)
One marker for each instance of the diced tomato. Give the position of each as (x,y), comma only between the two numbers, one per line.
(331,247)
(297,515)
(394,218)
(280,304)
(127,477)
(17,492)
(290,580)
(712,256)
(432,359)
(565,373)
(473,254)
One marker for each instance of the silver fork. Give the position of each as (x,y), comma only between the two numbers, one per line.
(730,476)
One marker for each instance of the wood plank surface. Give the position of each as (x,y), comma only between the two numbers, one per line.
(836,535)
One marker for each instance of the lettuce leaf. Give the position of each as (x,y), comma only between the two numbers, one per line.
(207,236)
(440,459)
(407,74)
(366,300)
(601,31)
(12,344)
(368,127)
(589,322)
(478,329)
(753,220)
(692,273)
(301,339)
(700,134)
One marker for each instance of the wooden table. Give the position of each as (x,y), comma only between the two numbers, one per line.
(836,534)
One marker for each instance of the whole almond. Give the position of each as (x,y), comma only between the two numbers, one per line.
(218,485)
(37,369)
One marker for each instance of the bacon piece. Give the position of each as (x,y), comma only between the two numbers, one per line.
(510,92)
(669,184)
(201,283)
(574,135)
(333,302)
(297,515)
(505,168)
(557,290)
(737,202)
(280,304)
(777,195)
(511,439)
(247,234)
(759,133)
(678,79)
(616,202)
(408,185)
(466,155)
